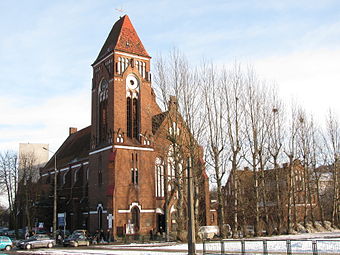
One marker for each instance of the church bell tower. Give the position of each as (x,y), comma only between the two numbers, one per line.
(121,85)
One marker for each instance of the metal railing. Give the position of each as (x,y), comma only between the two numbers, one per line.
(266,247)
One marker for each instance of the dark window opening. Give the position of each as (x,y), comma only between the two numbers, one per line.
(102,112)
(100,220)
(128,117)
(135,218)
(132,175)
(134,169)
(135,119)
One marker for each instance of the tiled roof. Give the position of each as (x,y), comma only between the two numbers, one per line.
(122,37)
(75,148)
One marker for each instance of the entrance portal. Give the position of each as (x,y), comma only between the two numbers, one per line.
(160,223)
(135,218)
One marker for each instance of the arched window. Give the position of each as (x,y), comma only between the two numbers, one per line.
(132,107)
(100,216)
(128,117)
(76,175)
(135,118)
(102,111)
(159,177)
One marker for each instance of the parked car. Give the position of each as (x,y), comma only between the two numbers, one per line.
(37,241)
(5,243)
(81,231)
(208,232)
(76,239)
(85,233)
(41,232)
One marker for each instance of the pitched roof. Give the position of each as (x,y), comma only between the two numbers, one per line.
(75,148)
(123,37)
(157,120)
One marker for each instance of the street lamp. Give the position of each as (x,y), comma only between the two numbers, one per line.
(55,194)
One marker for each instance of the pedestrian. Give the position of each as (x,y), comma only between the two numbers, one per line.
(96,236)
(27,234)
(59,238)
(151,234)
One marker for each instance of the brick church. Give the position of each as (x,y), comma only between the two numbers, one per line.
(111,174)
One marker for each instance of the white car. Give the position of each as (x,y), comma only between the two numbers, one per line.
(208,232)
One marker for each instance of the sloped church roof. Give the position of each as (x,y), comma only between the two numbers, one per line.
(123,37)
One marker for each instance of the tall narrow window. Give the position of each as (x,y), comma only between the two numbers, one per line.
(102,111)
(128,117)
(135,118)
(159,177)
(132,107)
(134,169)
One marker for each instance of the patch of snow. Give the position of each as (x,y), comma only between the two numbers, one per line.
(327,242)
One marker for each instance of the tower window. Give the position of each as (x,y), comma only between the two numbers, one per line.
(135,119)
(134,169)
(102,111)
(128,117)
(132,107)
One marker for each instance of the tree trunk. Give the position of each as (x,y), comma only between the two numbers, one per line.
(278,197)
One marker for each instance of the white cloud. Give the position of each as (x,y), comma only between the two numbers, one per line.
(44,122)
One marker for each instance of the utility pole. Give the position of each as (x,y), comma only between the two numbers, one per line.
(55,195)
(191,222)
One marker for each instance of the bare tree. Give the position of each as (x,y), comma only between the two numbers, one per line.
(169,76)
(291,151)
(333,144)
(28,177)
(305,149)
(317,160)
(276,137)
(256,114)
(233,88)
(193,113)
(179,93)
(9,182)
(216,136)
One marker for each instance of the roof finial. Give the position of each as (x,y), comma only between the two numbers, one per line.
(121,10)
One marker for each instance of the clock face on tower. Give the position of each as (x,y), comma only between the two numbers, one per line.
(132,82)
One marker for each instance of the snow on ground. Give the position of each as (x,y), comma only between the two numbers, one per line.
(95,251)
(327,242)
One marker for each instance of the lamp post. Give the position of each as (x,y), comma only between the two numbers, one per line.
(191,215)
(55,194)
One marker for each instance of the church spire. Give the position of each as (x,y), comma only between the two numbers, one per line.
(123,37)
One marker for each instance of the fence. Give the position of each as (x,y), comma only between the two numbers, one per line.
(290,247)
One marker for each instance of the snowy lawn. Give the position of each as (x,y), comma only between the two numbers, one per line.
(327,243)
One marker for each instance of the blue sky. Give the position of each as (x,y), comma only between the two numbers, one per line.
(47,48)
